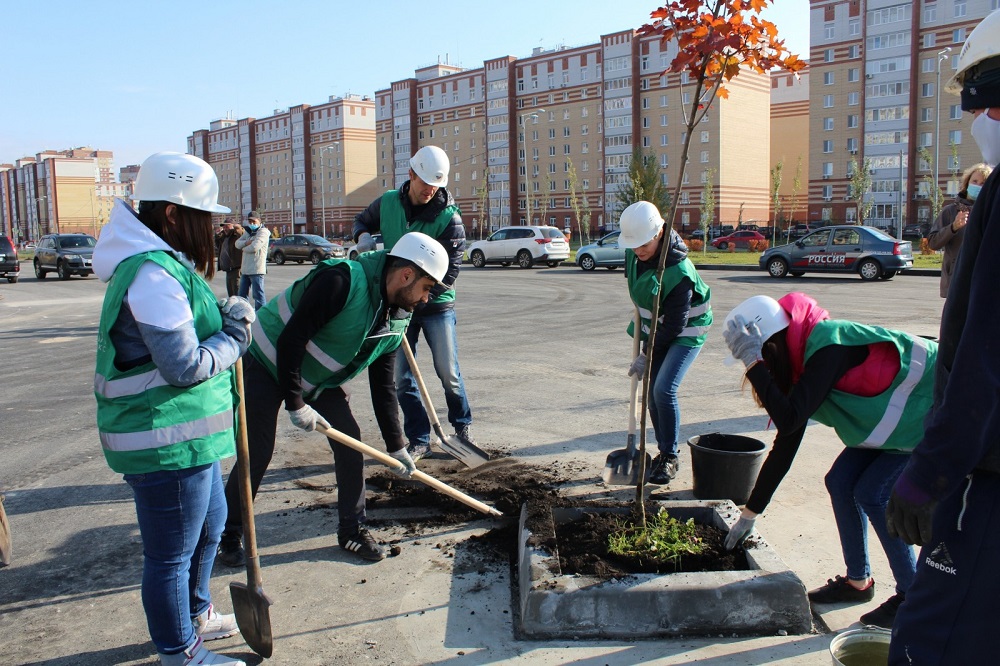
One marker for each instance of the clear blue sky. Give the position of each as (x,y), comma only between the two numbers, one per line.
(139,77)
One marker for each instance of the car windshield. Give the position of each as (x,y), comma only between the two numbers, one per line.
(319,240)
(76,242)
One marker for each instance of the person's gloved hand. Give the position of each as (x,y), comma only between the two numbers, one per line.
(235,324)
(638,366)
(237,307)
(365,243)
(910,513)
(744,340)
(739,531)
(307,418)
(409,467)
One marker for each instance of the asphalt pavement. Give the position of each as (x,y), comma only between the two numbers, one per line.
(544,355)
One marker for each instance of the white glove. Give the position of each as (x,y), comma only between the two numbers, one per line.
(409,467)
(238,308)
(739,531)
(365,243)
(638,366)
(744,340)
(307,418)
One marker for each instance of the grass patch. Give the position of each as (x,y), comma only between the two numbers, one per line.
(664,539)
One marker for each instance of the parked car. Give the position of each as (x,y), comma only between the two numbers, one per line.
(912,232)
(525,245)
(10,265)
(866,251)
(798,230)
(604,252)
(740,239)
(697,234)
(299,247)
(66,254)
(352,254)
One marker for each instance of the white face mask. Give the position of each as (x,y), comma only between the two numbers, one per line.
(986,132)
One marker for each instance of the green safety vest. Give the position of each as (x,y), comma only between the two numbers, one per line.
(643,288)
(893,419)
(392,222)
(348,343)
(145,423)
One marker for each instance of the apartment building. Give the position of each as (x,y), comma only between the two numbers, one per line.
(790,146)
(308,168)
(548,139)
(57,191)
(877,104)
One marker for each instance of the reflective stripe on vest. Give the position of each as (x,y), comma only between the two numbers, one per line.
(897,402)
(687,331)
(123,386)
(167,435)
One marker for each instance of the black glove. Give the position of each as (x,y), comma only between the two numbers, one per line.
(910,514)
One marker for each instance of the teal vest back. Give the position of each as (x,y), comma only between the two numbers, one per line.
(349,342)
(893,419)
(145,423)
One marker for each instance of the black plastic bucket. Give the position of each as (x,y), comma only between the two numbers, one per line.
(725,466)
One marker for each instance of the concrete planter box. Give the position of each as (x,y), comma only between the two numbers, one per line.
(763,600)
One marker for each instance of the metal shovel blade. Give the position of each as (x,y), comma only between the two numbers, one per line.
(469,455)
(253,617)
(621,468)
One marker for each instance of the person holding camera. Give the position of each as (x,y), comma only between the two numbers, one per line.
(230,258)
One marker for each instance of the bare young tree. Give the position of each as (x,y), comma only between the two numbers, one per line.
(581,209)
(776,196)
(707,209)
(861,184)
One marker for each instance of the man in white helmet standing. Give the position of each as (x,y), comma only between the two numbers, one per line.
(947,498)
(423,204)
(342,317)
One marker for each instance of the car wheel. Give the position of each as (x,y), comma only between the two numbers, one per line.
(39,273)
(12,280)
(611,268)
(315,257)
(887,275)
(478,259)
(587,263)
(869,270)
(723,245)
(62,270)
(524,259)
(797,273)
(552,264)
(278,258)
(777,267)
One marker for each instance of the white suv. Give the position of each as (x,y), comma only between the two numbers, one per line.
(524,245)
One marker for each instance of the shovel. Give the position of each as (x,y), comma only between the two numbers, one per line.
(389,461)
(469,455)
(249,601)
(621,467)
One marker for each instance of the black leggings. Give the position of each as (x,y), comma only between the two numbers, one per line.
(263,402)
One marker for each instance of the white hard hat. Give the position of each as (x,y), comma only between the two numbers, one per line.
(764,311)
(431,164)
(640,223)
(423,251)
(180,179)
(982,44)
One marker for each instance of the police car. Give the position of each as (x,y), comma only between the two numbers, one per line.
(866,251)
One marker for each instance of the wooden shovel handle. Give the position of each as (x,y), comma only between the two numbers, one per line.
(431,414)
(636,332)
(389,461)
(254,579)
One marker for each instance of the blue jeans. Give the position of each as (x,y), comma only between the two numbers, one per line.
(860,482)
(181,513)
(667,372)
(256,283)
(439,331)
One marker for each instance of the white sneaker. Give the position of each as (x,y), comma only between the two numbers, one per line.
(198,655)
(211,626)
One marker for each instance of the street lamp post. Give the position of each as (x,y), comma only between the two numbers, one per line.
(941,57)
(323,179)
(527,190)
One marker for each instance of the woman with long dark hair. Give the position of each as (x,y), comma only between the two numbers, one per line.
(874,387)
(166,393)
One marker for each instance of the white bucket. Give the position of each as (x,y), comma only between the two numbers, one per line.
(861,647)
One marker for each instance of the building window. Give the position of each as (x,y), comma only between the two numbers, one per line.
(955,110)
(927,90)
(827,169)
(828,146)
(854,51)
(930,40)
(854,27)
(955,137)
(663,120)
(663,139)
(930,14)
(852,121)
(926,114)
(704,136)
(853,75)
(960,8)
(828,55)
(827,101)
(828,124)
(852,145)
(958,35)
(828,31)
(927,65)
(852,99)
(827,78)
(704,157)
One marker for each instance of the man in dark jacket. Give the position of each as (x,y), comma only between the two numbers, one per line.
(947,498)
(229,257)
(423,204)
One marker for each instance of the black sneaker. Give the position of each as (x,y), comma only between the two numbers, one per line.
(362,544)
(231,551)
(664,469)
(884,615)
(464,433)
(838,591)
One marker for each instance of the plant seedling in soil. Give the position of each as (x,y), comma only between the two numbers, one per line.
(663,539)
